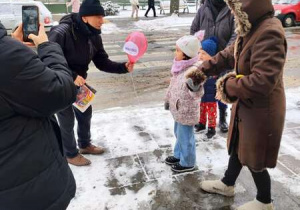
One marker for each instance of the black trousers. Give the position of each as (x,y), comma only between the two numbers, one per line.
(66,120)
(262,179)
(153,8)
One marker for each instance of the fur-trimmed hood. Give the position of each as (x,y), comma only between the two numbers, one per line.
(248,12)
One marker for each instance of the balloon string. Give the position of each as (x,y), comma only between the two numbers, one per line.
(134,88)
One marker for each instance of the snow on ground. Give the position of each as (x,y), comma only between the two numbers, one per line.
(132,134)
(160,23)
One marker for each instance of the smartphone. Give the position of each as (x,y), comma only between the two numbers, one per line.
(31,22)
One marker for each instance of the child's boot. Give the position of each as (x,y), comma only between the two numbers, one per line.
(171,160)
(199,127)
(210,132)
(180,169)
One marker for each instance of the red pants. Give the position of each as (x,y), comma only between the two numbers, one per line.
(209,109)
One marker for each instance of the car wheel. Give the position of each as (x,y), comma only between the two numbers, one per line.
(288,20)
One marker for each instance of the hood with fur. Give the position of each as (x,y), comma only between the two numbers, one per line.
(248,12)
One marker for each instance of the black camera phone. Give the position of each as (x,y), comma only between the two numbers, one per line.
(31,22)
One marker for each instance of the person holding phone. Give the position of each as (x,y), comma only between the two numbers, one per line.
(79,36)
(34,173)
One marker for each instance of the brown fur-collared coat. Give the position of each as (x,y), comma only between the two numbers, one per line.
(257,94)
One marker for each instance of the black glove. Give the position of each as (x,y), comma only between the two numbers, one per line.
(167,106)
(191,86)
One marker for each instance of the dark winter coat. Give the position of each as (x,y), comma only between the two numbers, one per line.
(81,48)
(151,3)
(222,28)
(258,96)
(209,90)
(33,172)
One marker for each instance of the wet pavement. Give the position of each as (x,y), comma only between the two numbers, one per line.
(144,173)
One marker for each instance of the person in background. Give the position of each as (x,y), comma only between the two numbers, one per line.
(208,105)
(151,5)
(214,18)
(78,34)
(33,87)
(256,91)
(184,104)
(135,8)
(75,5)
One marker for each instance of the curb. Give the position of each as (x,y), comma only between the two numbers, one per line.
(295,28)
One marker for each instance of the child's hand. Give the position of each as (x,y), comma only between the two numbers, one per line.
(195,78)
(192,86)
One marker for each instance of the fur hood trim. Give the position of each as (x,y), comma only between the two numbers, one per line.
(220,88)
(242,23)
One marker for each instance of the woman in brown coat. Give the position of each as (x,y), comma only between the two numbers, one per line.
(256,91)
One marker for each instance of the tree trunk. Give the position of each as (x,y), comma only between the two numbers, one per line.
(174,6)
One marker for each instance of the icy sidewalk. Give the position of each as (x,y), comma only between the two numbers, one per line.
(132,174)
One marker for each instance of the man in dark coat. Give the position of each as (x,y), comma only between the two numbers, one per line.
(256,90)
(33,172)
(151,5)
(215,19)
(78,34)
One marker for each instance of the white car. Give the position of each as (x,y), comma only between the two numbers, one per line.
(11,14)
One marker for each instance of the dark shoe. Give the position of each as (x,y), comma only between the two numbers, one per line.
(199,127)
(92,149)
(180,169)
(210,133)
(146,16)
(171,160)
(222,122)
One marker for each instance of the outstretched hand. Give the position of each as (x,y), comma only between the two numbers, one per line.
(129,66)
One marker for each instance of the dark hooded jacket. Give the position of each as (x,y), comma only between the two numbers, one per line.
(81,46)
(33,172)
(257,93)
(221,26)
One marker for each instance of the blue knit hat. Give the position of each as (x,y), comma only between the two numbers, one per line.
(210,46)
(90,8)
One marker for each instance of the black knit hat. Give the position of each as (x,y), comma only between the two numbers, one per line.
(90,8)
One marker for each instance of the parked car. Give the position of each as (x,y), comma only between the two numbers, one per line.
(11,14)
(288,11)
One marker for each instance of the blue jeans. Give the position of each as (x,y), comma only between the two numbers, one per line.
(66,120)
(185,147)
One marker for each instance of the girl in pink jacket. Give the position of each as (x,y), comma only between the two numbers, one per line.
(183,103)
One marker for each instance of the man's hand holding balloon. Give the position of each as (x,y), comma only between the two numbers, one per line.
(129,66)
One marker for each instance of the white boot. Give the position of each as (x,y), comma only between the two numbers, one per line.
(256,205)
(218,187)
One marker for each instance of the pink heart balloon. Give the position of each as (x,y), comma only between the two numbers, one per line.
(135,46)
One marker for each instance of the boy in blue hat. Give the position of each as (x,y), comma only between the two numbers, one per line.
(208,105)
